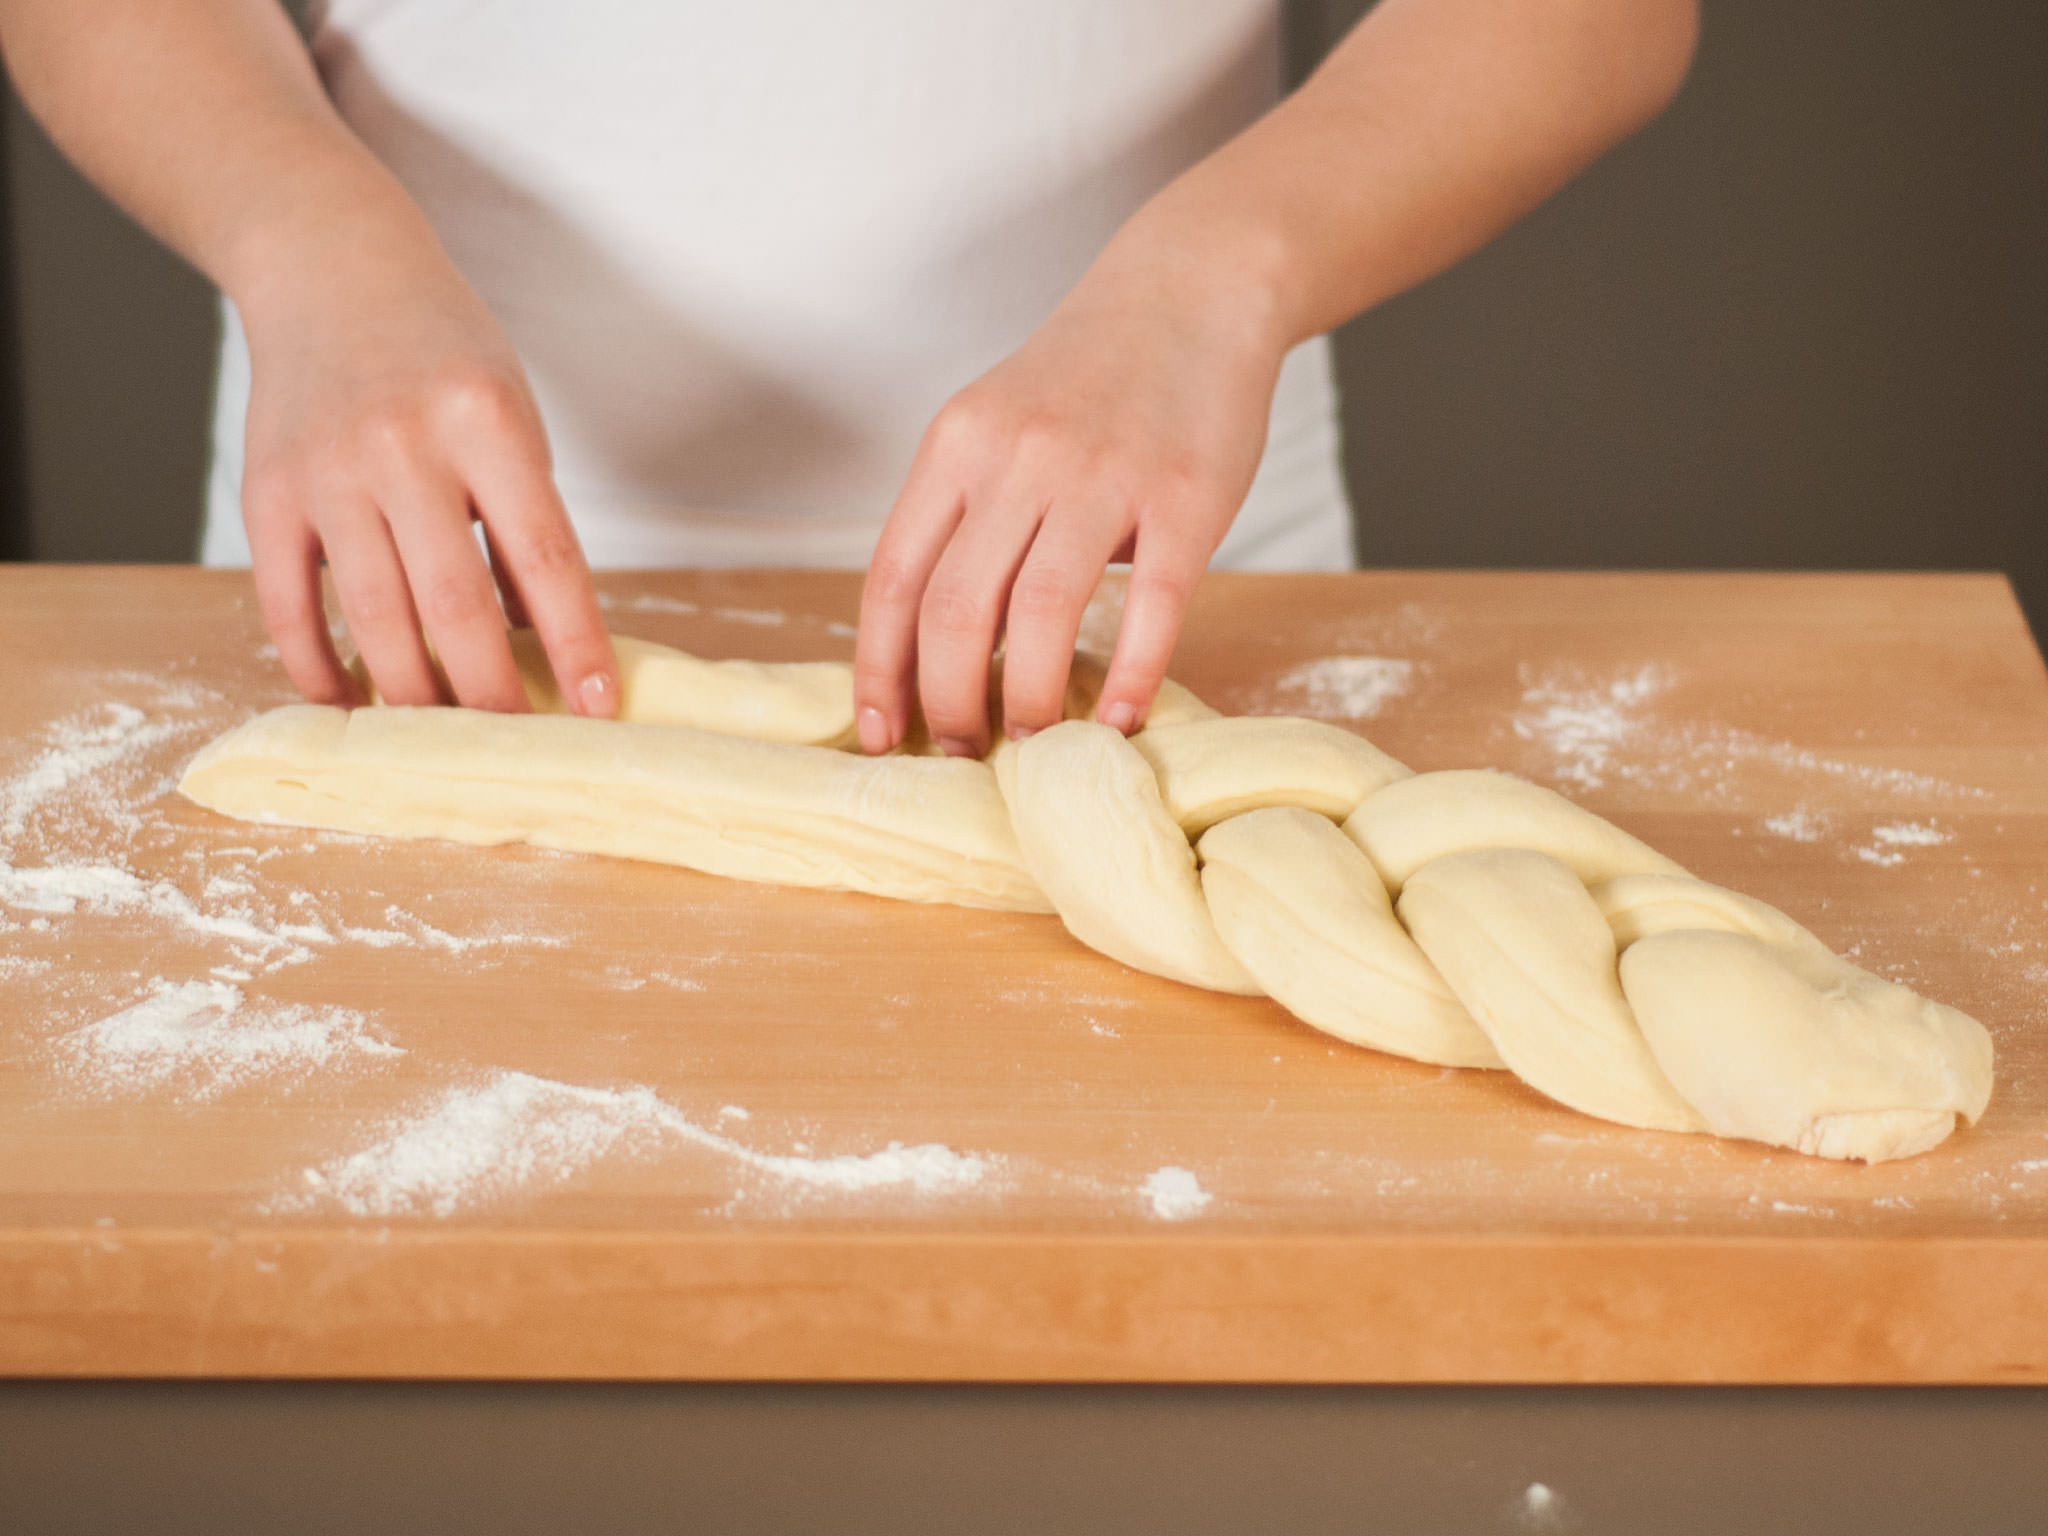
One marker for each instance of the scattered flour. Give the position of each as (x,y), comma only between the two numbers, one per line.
(77,751)
(1912,835)
(515,1132)
(1344,687)
(1584,725)
(1175,1193)
(408,928)
(1799,824)
(1593,730)
(75,826)
(769,618)
(1887,844)
(201,1039)
(646,602)
(109,889)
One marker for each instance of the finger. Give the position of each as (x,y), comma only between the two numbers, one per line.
(545,575)
(1165,567)
(452,590)
(285,554)
(517,614)
(915,536)
(1047,599)
(963,605)
(377,605)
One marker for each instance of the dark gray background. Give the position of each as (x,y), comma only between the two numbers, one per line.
(1800,321)
(546,1459)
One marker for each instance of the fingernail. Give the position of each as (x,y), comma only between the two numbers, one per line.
(953,746)
(597,698)
(874,731)
(1121,717)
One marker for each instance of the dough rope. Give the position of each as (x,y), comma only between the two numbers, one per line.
(1462,917)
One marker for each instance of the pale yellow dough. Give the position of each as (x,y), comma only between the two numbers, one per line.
(920,829)
(1119,872)
(1527,951)
(1306,914)
(1467,917)
(806,703)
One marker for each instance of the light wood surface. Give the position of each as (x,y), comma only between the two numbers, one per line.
(1867,752)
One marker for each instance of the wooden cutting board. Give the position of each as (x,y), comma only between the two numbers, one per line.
(283,1103)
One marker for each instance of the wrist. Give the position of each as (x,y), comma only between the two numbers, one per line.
(1217,258)
(336,229)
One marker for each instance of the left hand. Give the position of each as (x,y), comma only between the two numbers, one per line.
(1128,427)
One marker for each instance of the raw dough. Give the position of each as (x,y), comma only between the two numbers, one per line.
(1304,912)
(1527,951)
(1418,819)
(921,829)
(1537,935)
(1212,769)
(809,703)
(1119,872)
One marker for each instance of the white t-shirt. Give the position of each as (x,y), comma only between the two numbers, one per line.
(747,250)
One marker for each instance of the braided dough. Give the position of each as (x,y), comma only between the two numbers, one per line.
(1465,917)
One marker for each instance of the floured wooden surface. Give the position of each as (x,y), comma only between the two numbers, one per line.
(311,1048)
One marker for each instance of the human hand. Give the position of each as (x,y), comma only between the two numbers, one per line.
(1129,426)
(387,413)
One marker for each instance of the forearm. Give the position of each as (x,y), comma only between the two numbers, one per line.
(1429,129)
(204,119)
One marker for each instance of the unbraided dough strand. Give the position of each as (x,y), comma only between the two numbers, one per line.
(1526,930)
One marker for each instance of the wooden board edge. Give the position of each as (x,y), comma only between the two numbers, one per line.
(1179,1307)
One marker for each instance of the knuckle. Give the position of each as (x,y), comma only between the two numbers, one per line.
(1043,597)
(478,399)
(892,581)
(1169,587)
(963,424)
(1043,436)
(449,599)
(953,612)
(551,557)
(375,606)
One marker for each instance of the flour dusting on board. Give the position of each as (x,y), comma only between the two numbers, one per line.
(1174,1193)
(1890,841)
(1584,726)
(1342,687)
(77,753)
(200,1039)
(1593,729)
(1801,824)
(518,1133)
(78,832)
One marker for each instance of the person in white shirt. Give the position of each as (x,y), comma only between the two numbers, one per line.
(985,296)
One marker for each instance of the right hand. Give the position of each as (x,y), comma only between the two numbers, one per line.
(387,413)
